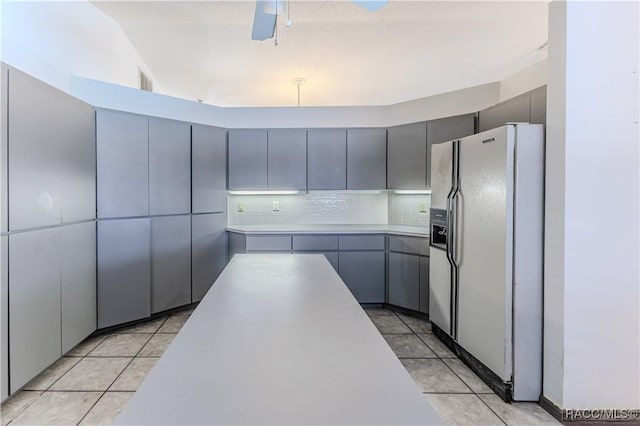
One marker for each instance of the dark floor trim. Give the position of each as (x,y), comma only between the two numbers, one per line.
(116,327)
(551,408)
(577,417)
(406,311)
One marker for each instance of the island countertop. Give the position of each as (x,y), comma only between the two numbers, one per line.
(278,339)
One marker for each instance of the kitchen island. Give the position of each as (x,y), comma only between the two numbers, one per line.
(278,339)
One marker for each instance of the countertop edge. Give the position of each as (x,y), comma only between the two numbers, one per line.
(328,231)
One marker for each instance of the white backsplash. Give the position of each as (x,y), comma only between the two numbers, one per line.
(404,209)
(315,207)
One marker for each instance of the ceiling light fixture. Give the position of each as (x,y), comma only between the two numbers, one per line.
(298,81)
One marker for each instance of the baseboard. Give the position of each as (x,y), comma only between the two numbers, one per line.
(551,408)
(591,417)
(407,311)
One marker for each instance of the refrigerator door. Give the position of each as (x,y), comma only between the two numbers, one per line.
(485,248)
(439,267)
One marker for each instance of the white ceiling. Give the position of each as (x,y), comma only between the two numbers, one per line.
(347,54)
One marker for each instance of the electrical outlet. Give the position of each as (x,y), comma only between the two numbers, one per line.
(423,207)
(240,207)
(276,206)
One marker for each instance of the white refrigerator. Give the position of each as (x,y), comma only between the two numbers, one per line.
(486,254)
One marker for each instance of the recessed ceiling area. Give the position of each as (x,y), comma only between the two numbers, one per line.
(347,54)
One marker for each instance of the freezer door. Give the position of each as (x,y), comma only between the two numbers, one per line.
(441,164)
(485,247)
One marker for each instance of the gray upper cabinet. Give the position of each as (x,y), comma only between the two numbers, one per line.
(538,113)
(124,271)
(447,129)
(366,159)
(170,262)
(208,251)
(51,143)
(247,159)
(208,169)
(287,159)
(77,282)
(407,156)
(34,300)
(169,167)
(327,159)
(513,110)
(123,166)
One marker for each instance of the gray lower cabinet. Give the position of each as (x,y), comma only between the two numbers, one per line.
(363,272)
(327,158)
(366,158)
(124,271)
(169,167)
(208,169)
(268,243)
(123,164)
(34,298)
(170,262)
(407,156)
(208,251)
(248,159)
(447,129)
(404,280)
(77,247)
(287,159)
(424,285)
(4,317)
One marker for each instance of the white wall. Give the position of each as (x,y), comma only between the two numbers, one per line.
(528,79)
(592,296)
(53,41)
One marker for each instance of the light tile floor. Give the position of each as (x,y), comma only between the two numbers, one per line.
(96,379)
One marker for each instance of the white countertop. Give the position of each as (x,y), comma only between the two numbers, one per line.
(415,231)
(278,340)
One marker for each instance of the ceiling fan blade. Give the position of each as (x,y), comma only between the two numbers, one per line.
(264,24)
(371,5)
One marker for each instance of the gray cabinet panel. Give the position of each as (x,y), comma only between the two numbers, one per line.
(170,262)
(169,167)
(332,257)
(78,282)
(34,187)
(447,129)
(315,242)
(4,143)
(247,159)
(407,156)
(404,280)
(4,319)
(538,113)
(124,271)
(237,243)
(512,110)
(268,243)
(363,273)
(327,159)
(405,244)
(287,159)
(209,169)
(424,285)
(208,251)
(424,246)
(34,298)
(361,242)
(123,166)
(366,159)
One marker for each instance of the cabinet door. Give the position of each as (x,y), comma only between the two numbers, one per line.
(327,159)
(123,166)
(287,159)
(169,167)
(124,271)
(208,251)
(407,157)
(247,159)
(512,110)
(363,273)
(34,300)
(4,151)
(538,113)
(447,129)
(424,285)
(404,280)
(4,316)
(366,159)
(170,262)
(78,282)
(208,169)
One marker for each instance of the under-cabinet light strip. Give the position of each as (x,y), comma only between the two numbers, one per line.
(412,191)
(264,192)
